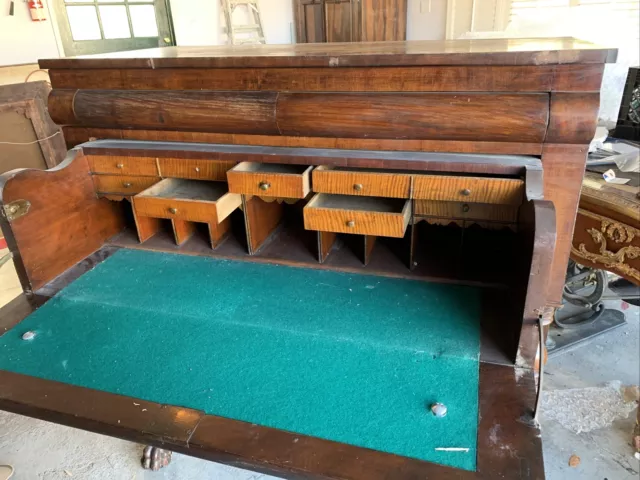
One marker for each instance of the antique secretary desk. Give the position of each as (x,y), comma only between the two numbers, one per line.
(285,257)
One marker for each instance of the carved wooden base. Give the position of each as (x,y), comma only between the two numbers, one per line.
(154,458)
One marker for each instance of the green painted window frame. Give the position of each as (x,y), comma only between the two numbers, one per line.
(87,47)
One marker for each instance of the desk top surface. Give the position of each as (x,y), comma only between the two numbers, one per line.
(495,51)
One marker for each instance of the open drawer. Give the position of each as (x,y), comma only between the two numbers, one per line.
(191,200)
(270,179)
(383,217)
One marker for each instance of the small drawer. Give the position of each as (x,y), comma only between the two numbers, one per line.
(117,165)
(215,170)
(122,185)
(504,191)
(361,181)
(270,179)
(384,217)
(468,211)
(191,200)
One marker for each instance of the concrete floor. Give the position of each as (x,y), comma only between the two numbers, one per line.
(44,451)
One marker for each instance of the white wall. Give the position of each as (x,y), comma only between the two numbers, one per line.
(196,22)
(277,21)
(426,19)
(24,41)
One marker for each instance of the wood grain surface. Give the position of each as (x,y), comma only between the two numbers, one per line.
(232,112)
(77,135)
(251,179)
(383,20)
(358,182)
(468,189)
(122,184)
(353,220)
(538,225)
(182,230)
(491,51)
(492,117)
(543,78)
(261,219)
(421,116)
(563,172)
(325,244)
(123,165)
(573,117)
(215,170)
(468,211)
(65,222)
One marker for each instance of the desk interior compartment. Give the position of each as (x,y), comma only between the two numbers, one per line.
(184,203)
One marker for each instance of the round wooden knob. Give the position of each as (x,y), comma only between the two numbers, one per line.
(351,224)
(173,210)
(264,186)
(120,165)
(357,187)
(126,184)
(465,208)
(466,192)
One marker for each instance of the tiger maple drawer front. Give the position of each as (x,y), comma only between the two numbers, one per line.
(504,191)
(191,200)
(270,179)
(215,170)
(366,182)
(469,211)
(119,165)
(383,217)
(122,185)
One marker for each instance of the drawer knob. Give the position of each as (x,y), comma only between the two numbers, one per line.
(466,192)
(465,208)
(357,187)
(120,165)
(264,186)
(197,169)
(126,184)
(173,210)
(351,224)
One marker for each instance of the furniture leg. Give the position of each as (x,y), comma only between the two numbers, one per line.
(154,458)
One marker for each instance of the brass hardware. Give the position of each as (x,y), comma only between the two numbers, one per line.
(466,192)
(197,169)
(120,165)
(465,208)
(16,209)
(351,224)
(126,184)
(357,187)
(264,186)
(173,210)
(167,40)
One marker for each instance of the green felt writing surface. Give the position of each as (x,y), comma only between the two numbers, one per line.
(351,358)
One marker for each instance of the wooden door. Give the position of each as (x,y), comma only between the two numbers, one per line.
(340,20)
(383,20)
(310,21)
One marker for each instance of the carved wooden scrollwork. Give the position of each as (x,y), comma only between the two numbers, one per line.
(615,232)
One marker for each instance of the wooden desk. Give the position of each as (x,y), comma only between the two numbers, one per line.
(429,161)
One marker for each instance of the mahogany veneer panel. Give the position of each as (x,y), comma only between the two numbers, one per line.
(349,79)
